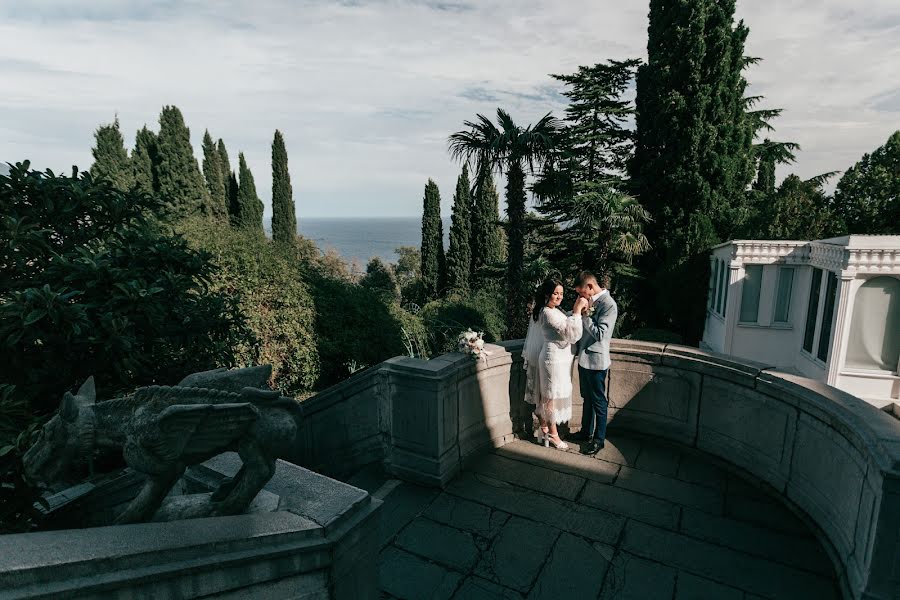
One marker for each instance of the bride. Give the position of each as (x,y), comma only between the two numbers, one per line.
(548,361)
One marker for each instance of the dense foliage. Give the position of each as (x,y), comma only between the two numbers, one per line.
(144,159)
(249,206)
(180,185)
(868,195)
(90,286)
(693,157)
(111,160)
(512,149)
(445,319)
(488,246)
(272,296)
(215,178)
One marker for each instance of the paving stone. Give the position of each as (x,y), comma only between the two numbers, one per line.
(574,570)
(517,554)
(408,577)
(565,462)
(747,503)
(662,460)
(400,507)
(620,450)
(469,516)
(631,504)
(539,479)
(674,490)
(633,578)
(476,588)
(694,469)
(573,517)
(691,587)
(724,565)
(440,543)
(803,553)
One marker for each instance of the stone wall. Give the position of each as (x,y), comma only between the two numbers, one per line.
(309,537)
(832,457)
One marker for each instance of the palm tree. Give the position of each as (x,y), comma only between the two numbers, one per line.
(512,149)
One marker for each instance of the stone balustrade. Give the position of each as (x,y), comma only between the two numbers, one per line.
(834,459)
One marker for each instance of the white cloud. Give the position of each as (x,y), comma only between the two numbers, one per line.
(367,92)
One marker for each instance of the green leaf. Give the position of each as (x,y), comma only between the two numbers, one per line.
(6,450)
(34,316)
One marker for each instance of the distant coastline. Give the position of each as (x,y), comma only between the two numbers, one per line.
(357,239)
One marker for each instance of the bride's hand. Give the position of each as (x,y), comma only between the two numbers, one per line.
(580,305)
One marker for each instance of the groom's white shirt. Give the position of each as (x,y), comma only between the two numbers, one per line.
(593,347)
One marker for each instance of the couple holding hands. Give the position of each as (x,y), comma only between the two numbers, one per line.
(554,337)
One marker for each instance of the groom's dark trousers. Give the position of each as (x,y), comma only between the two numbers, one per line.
(596,404)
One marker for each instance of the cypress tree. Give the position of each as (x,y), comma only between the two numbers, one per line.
(110,157)
(433,265)
(234,205)
(487,238)
(224,163)
(284,219)
(181,185)
(250,207)
(144,161)
(215,180)
(459,255)
(693,150)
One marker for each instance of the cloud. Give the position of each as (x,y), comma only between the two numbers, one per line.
(367,92)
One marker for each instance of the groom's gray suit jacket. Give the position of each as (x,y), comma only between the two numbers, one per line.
(593,347)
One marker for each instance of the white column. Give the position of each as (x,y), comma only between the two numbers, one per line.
(735,275)
(840,328)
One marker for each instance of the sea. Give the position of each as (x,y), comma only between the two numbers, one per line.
(359,239)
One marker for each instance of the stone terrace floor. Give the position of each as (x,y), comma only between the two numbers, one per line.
(642,520)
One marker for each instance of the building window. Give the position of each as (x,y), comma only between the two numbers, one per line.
(812,308)
(713,284)
(750,293)
(725,279)
(783,294)
(827,314)
(875,328)
(721,286)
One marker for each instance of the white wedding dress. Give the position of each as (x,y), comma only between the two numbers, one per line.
(548,363)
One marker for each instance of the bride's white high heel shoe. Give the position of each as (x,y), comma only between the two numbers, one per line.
(561,445)
(543,437)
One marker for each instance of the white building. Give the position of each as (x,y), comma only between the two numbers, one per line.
(828,309)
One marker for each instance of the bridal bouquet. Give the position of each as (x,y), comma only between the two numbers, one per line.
(471,342)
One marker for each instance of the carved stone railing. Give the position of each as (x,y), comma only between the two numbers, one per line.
(833,458)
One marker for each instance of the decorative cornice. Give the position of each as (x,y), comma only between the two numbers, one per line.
(832,257)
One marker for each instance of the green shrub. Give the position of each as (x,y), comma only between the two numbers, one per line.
(90,286)
(445,319)
(267,281)
(355,329)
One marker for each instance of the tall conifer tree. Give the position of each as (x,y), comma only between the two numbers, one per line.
(213,171)
(284,217)
(181,185)
(693,150)
(487,238)
(433,263)
(250,214)
(144,161)
(110,157)
(234,204)
(224,163)
(459,255)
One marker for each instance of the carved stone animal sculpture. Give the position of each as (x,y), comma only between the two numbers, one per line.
(162,430)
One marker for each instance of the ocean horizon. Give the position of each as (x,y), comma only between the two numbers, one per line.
(362,238)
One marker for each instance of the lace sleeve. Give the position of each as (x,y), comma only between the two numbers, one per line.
(568,328)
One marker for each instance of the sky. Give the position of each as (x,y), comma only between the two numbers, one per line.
(367,91)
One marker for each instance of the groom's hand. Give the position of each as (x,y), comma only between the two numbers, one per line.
(579,307)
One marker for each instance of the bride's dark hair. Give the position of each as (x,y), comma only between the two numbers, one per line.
(542,296)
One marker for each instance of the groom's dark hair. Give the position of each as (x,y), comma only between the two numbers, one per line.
(585,276)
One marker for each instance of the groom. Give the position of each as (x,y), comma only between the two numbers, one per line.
(598,311)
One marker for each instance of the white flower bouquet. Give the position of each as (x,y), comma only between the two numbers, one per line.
(472,343)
